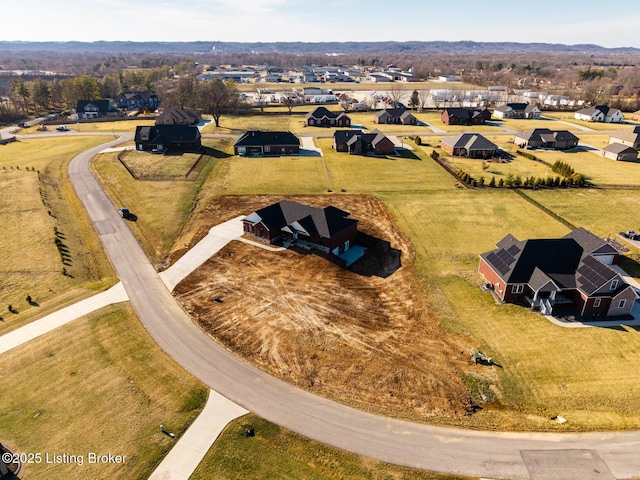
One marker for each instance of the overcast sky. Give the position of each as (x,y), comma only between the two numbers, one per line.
(610,23)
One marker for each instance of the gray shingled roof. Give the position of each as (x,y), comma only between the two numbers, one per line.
(569,262)
(470,141)
(326,221)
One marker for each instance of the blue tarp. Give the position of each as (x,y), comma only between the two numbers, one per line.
(352,254)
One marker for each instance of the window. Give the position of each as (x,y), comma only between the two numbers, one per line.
(517,289)
(614,284)
(622,303)
(596,302)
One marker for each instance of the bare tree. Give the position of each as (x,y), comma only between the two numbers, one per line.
(260,98)
(395,94)
(217,98)
(423,99)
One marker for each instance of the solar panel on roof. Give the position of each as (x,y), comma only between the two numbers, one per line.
(513,249)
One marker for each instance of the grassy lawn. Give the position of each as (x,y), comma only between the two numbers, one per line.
(334,171)
(524,125)
(45,231)
(598,140)
(584,375)
(161,207)
(604,212)
(100,384)
(276,453)
(148,166)
(568,117)
(598,169)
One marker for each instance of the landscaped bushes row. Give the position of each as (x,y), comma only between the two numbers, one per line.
(516,181)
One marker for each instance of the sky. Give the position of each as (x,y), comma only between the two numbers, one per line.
(609,23)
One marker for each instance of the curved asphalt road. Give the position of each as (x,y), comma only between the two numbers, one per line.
(463,452)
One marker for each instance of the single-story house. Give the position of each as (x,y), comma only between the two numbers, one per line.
(132,100)
(178,116)
(599,113)
(517,110)
(359,143)
(470,145)
(322,117)
(619,151)
(89,109)
(465,116)
(400,116)
(630,138)
(256,142)
(568,275)
(327,229)
(162,138)
(545,138)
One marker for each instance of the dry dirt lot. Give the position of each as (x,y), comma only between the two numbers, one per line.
(362,336)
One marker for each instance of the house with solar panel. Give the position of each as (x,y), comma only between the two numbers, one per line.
(572,275)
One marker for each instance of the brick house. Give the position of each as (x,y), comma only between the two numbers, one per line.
(258,143)
(322,117)
(327,229)
(465,116)
(358,143)
(568,275)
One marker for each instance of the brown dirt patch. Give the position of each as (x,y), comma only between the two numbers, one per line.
(362,336)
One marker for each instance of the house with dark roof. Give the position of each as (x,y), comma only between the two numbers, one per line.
(599,113)
(322,117)
(178,116)
(568,275)
(397,116)
(258,143)
(327,229)
(89,109)
(135,99)
(359,143)
(630,138)
(470,145)
(545,138)
(621,152)
(517,110)
(465,116)
(161,138)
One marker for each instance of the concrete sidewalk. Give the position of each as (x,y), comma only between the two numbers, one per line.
(187,454)
(68,314)
(215,240)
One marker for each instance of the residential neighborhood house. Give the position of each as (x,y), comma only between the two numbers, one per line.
(465,116)
(470,145)
(545,138)
(571,275)
(322,117)
(619,151)
(359,143)
(90,109)
(163,138)
(630,138)
(400,116)
(517,110)
(599,113)
(138,100)
(178,116)
(327,229)
(258,143)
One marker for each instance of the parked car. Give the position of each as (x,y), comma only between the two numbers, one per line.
(22,125)
(63,128)
(124,212)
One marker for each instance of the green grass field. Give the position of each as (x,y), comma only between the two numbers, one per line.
(598,126)
(161,207)
(99,384)
(278,454)
(36,201)
(599,170)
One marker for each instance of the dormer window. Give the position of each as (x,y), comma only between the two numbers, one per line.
(614,284)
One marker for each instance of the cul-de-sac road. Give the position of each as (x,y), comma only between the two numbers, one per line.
(464,452)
